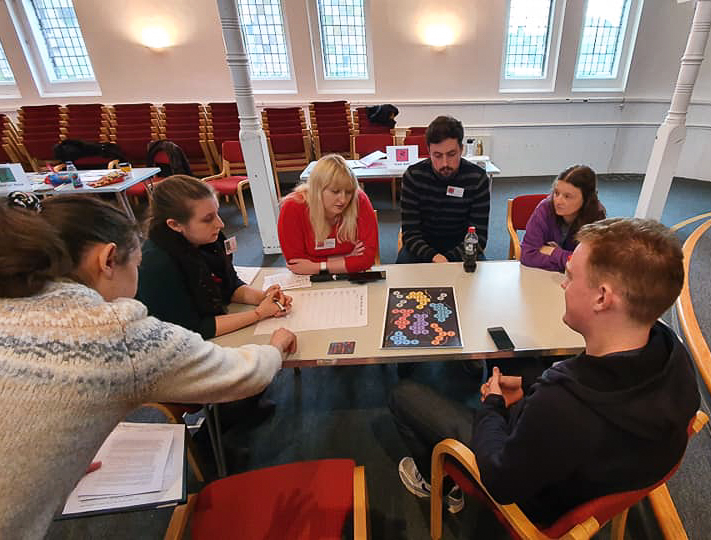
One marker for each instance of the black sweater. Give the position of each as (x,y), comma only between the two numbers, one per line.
(588,427)
(434,222)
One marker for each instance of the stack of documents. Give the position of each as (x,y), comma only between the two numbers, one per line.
(142,465)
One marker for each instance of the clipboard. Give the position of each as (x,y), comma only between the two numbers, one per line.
(145,501)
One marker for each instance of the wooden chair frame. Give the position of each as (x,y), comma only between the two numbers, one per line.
(239,199)
(659,498)
(361,523)
(514,242)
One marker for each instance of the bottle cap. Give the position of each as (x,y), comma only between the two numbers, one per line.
(472,229)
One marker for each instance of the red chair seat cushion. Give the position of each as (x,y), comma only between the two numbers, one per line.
(298,501)
(227,185)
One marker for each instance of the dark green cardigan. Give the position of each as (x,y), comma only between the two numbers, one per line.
(162,288)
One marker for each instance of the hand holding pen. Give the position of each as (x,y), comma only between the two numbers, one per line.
(280,301)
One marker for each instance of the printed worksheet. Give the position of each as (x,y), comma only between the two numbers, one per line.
(321,309)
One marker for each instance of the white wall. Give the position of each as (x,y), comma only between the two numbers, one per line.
(527,134)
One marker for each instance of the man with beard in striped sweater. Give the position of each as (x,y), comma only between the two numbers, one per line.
(442,196)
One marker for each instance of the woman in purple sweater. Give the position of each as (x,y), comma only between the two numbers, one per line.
(550,232)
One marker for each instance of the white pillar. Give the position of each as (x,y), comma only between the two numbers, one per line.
(672,133)
(251,135)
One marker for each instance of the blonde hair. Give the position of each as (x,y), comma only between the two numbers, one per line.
(330,171)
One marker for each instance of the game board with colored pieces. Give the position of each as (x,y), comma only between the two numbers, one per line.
(421,317)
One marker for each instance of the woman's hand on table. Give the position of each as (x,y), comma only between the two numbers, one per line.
(269,308)
(278,297)
(548,248)
(303,266)
(284,340)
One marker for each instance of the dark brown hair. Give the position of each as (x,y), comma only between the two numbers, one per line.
(38,248)
(585,179)
(442,128)
(173,197)
(642,257)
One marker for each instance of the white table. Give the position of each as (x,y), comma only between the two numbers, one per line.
(136,176)
(388,169)
(527,302)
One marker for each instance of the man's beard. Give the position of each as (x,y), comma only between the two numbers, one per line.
(446,172)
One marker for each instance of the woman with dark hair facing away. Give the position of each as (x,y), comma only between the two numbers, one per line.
(77,353)
(550,232)
(186,276)
(327,223)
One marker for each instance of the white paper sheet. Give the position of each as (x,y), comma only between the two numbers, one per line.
(286,280)
(172,481)
(367,161)
(133,462)
(247,273)
(321,309)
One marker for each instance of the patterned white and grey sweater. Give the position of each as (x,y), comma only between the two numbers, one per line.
(72,366)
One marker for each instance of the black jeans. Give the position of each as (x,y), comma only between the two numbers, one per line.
(425,417)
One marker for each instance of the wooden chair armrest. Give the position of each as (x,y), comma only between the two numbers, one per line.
(666,514)
(515,244)
(361,523)
(700,420)
(214,176)
(462,454)
(179,519)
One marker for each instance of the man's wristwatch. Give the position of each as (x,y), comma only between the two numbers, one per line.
(324,266)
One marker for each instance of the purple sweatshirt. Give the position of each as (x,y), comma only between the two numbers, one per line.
(541,229)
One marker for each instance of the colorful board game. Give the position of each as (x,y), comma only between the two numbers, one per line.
(421,317)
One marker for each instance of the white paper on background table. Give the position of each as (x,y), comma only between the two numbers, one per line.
(247,273)
(286,280)
(321,309)
(171,485)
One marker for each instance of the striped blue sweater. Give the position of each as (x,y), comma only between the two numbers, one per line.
(434,222)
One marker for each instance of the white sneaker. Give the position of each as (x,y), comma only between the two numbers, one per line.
(412,479)
(455,500)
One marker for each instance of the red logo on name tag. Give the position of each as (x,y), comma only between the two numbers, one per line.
(450,189)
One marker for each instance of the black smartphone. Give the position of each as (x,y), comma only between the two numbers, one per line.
(501,338)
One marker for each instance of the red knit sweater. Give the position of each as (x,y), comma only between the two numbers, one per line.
(296,235)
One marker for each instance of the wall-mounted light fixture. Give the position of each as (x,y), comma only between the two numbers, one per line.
(439,36)
(156,38)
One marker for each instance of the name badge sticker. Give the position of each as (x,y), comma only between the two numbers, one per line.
(231,245)
(329,243)
(454,191)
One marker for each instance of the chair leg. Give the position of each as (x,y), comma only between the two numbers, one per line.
(213,428)
(666,513)
(618,525)
(437,477)
(393,191)
(192,460)
(242,206)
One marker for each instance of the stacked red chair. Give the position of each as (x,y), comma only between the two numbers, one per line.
(132,126)
(420,141)
(221,124)
(367,143)
(9,149)
(182,123)
(87,122)
(331,128)
(288,139)
(231,181)
(39,130)
(362,123)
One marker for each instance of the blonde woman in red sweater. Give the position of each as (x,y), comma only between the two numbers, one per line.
(327,223)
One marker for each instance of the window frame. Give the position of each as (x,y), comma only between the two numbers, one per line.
(9,89)
(536,84)
(273,86)
(38,60)
(624,60)
(340,85)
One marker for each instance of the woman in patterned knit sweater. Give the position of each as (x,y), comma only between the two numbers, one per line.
(77,354)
